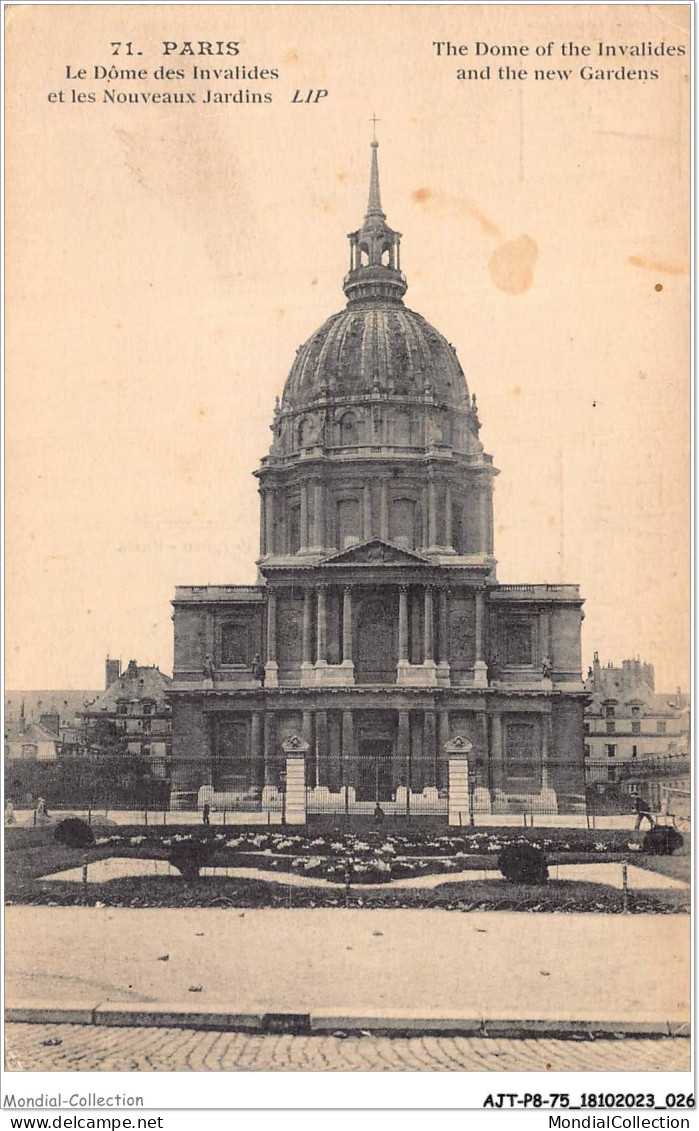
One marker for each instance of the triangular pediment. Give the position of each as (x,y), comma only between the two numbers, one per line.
(376,552)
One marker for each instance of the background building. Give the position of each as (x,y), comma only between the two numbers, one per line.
(635,737)
(135,708)
(58,711)
(378,616)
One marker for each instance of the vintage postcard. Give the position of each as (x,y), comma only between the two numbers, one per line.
(347,718)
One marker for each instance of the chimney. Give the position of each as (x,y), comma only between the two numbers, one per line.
(112,671)
(21,719)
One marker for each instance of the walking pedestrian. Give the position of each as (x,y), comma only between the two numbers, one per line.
(643,809)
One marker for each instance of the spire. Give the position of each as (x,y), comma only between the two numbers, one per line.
(375,249)
(374,205)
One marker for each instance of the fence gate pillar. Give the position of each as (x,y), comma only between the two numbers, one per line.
(295,749)
(457,752)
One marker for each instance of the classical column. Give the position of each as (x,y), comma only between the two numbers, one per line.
(443,617)
(270,760)
(347,659)
(322,748)
(304,516)
(307,726)
(424,514)
(429,628)
(269,520)
(306,637)
(432,513)
(496,762)
(322,628)
(347,748)
(271,678)
(319,517)
(430,748)
(483,517)
(403,626)
(256,752)
(546,738)
(448,518)
(384,510)
(480,670)
(442,757)
(403,749)
(263,525)
(366,499)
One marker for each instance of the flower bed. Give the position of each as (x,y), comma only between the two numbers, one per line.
(372,858)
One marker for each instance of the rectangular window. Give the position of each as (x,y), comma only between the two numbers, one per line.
(122,708)
(611,773)
(587,750)
(586,728)
(521,762)
(635,728)
(635,711)
(610,726)
(634,752)
(517,642)
(662,727)
(146,725)
(611,751)
(147,708)
(235,644)
(609,712)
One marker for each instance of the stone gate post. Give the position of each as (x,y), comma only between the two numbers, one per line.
(457,752)
(295,750)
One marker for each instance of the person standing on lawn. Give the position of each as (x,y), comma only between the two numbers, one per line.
(642,808)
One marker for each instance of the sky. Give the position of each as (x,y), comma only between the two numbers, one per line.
(166,261)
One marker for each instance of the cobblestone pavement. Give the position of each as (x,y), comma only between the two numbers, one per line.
(86,1048)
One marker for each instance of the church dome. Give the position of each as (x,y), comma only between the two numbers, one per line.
(376,344)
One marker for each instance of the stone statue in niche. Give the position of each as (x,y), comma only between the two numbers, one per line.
(208,667)
(493,667)
(258,669)
(547,667)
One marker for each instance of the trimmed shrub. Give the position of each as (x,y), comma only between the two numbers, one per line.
(662,840)
(189,856)
(74,833)
(523,864)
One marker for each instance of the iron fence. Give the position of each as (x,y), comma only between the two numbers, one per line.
(374,785)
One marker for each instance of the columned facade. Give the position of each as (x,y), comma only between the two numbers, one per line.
(378,632)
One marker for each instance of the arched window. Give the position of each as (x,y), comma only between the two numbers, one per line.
(364,256)
(349,430)
(386,257)
(348,523)
(401,428)
(402,522)
(294,527)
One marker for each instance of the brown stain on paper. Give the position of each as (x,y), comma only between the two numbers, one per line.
(658,265)
(511,265)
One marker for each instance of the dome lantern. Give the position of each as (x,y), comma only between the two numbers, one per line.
(374,250)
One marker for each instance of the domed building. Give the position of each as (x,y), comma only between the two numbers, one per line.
(378,635)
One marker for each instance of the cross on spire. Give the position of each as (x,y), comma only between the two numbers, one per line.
(373,119)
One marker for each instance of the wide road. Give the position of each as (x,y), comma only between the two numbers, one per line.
(76,1048)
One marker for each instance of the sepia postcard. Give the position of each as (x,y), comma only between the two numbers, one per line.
(347,680)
